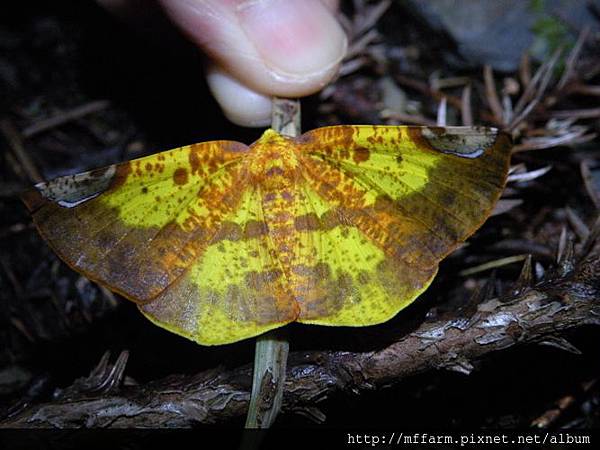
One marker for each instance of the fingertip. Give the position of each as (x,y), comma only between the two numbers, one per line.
(277,47)
(240,104)
(332,5)
(299,42)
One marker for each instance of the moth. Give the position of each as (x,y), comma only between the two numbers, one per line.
(220,241)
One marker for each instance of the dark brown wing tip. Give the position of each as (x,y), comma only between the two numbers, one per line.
(504,144)
(33,199)
(502,134)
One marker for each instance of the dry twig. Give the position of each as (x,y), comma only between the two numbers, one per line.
(16,144)
(64,117)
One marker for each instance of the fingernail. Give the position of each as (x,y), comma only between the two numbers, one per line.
(295,38)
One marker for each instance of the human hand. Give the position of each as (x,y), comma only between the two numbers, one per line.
(258,48)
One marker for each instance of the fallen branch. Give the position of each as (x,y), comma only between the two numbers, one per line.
(539,314)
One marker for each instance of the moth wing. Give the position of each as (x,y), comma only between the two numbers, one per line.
(388,204)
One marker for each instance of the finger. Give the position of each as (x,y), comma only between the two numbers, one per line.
(332,5)
(275,47)
(241,105)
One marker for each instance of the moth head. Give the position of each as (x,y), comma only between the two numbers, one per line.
(275,161)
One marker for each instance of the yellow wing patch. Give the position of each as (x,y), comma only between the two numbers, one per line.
(234,290)
(219,241)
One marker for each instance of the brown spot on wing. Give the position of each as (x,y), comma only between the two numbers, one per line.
(260,280)
(360,154)
(194,160)
(255,228)
(122,172)
(230,231)
(342,135)
(180,176)
(415,135)
(307,222)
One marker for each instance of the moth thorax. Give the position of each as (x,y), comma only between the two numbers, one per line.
(279,174)
(275,166)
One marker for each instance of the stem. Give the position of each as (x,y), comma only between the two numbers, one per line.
(270,362)
(272,348)
(286,116)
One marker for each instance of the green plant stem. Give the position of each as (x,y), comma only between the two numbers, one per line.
(270,362)
(272,348)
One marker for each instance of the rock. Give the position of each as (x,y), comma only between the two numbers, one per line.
(498,32)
